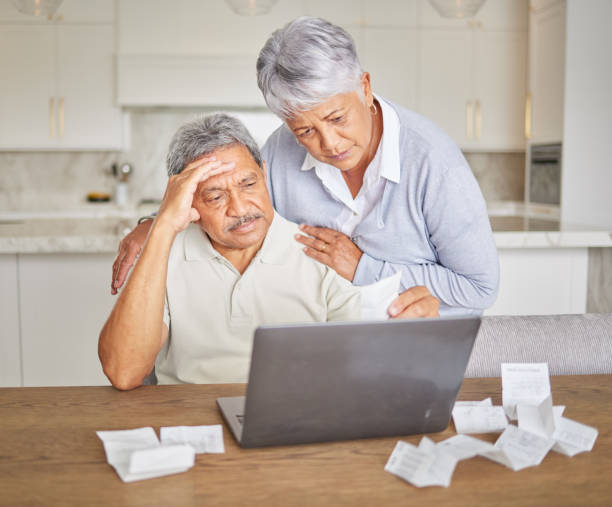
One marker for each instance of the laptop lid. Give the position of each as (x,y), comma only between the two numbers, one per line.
(340,381)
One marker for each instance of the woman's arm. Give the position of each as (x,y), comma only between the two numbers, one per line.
(466,273)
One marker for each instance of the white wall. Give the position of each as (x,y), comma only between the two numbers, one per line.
(587,151)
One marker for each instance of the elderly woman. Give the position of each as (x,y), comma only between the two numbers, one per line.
(377,188)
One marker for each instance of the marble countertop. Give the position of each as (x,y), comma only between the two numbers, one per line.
(100,229)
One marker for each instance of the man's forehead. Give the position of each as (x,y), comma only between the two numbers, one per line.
(232,177)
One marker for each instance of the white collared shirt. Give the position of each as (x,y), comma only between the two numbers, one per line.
(384,166)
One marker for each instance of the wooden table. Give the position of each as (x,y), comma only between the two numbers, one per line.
(50,455)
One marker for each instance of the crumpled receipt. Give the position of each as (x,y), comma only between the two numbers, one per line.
(377,297)
(541,427)
(137,454)
(204,439)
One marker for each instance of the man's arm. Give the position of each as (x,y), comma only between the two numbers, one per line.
(135,332)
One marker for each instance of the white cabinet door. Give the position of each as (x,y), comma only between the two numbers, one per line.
(390,56)
(547,72)
(472,84)
(89,117)
(10,349)
(541,281)
(500,76)
(27,87)
(65,299)
(445,81)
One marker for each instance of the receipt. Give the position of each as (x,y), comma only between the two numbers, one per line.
(525,383)
(464,447)
(538,419)
(203,439)
(423,466)
(377,297)
(479,419)
(573,437)
(137,454)
(518,449)
(483,403)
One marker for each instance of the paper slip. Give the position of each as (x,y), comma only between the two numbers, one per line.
(420,467)
(525,383)
(464,447)
(483,403)
(377,297)
(479,419)
(518,449)
(207,439)
(538,419)
(137,454)
(573,437)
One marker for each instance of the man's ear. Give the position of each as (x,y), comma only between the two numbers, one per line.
(265,170)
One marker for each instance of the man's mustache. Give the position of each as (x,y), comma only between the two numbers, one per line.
(243,220)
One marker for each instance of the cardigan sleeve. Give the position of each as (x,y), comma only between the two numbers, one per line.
(466,273)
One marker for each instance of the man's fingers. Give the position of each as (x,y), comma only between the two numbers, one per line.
(426,307)
(403,304)
(323,233)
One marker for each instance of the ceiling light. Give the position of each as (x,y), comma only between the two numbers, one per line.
(457,8)
(251,7)
(37,7)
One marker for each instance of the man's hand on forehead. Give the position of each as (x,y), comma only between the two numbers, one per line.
(176,210)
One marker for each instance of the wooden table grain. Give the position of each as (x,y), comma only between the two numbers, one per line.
(50,455)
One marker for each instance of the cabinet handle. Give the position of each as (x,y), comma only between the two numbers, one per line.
(52,117)
(469,117)
(528,116)
(60,115)
(478,120)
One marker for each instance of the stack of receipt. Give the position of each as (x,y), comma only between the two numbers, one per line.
(137,454)
(527,399)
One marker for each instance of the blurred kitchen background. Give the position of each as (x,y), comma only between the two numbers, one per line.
(95,89)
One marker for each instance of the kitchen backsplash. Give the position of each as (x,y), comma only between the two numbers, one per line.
(61,180)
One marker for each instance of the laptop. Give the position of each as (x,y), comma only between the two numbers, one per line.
(341,381)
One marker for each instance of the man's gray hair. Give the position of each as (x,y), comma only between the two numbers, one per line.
(305,63)
(204,135)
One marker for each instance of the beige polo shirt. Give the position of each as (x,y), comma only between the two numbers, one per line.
(212,310)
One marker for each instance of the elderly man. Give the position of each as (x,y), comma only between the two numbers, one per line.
(219,262)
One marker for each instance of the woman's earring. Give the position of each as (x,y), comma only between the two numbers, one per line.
(373,109)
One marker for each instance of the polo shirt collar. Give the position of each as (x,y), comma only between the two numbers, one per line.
(390,154)
(198,247)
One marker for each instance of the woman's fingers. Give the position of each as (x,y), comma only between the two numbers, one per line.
(322,233)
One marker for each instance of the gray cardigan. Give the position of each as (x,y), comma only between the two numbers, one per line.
(432,225)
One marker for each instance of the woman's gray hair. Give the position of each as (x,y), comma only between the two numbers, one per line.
(204,135)
(305,63)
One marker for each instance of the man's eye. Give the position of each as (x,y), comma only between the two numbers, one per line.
(304,133)
(337,119)
(214,198)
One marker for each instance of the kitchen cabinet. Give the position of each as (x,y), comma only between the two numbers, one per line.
(541,281)
(546,78)
(10,349)
(472,83)
(64,301)
(394,79)
(205,55)
(57,91)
